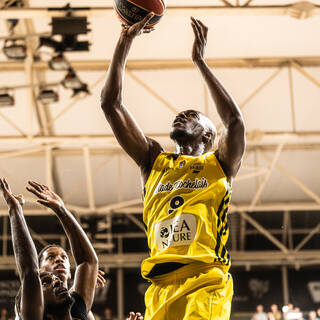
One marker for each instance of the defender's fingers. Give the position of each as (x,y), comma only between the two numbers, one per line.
(2,187)
(195,31)
(6,184)
(36,193)
(204,28)
(44,187)
(200,30)
(35,185)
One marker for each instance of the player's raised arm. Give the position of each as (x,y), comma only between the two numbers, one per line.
(83,253)
(232,143)
(128,133)
(32,306)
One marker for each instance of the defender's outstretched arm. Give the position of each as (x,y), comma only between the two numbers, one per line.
(232,143)
(26,257)
(127,131)
(83,253)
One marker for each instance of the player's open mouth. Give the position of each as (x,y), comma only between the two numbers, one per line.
(60,268)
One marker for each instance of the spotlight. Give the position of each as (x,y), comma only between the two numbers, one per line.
(69,28)
(71,81)
(6,100)
(48,96)
(84,89)
(59,62)
(15,49)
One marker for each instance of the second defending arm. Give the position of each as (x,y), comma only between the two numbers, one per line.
(82,250)
(232,143)
(32,305)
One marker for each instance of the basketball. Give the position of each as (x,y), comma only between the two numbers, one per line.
(132,11)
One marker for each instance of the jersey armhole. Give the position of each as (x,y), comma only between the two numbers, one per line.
(220,167)
(152,168)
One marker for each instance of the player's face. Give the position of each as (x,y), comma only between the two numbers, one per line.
(54,291)
(56,260)
(189,123)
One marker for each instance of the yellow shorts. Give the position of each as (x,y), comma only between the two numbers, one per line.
(193,292)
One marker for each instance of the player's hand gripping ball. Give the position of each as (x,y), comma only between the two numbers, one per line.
(133,11)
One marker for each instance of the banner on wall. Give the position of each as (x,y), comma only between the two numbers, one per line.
(256,287)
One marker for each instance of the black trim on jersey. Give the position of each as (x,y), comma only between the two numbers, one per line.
(79,309)
(222,223)
(163,268)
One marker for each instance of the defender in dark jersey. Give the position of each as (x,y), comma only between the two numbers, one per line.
(53,258)
(43,295)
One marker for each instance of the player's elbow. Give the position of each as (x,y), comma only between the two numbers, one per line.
(109,100)
(237,124)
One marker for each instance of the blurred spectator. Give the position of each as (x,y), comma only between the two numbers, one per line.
(318,313)
(298,313)
(288,312)
(107,314)
(312,315)
(260,314)
(4,315)
(274,313)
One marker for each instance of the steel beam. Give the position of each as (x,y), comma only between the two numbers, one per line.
(239,258)
(160,64)
(108,11)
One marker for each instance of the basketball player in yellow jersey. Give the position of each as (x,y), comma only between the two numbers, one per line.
(186,193)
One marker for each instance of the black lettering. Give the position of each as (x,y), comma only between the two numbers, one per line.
(182,236)
(189,236)
(175,229)
(184,225)
(175,237)
(164,244)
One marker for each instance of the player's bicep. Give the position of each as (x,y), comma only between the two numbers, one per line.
(85,280)
(31,305)
(231,147)
(128,133)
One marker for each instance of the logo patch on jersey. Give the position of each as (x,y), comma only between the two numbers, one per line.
(197,166)
(182,164)
(182,184)
(178,231)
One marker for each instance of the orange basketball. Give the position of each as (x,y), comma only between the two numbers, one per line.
(132,11)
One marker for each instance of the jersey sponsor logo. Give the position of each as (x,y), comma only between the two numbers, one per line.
(178,231)
(175,203)
(182,184)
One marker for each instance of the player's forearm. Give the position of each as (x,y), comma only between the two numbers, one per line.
(111,95)
(24,250)
(227,108)
(81,247)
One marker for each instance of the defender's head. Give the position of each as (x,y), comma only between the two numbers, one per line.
(53,258)
(57,299)
(193,126)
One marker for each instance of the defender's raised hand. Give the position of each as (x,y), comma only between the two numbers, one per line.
(138,28)
(200,39)
(46,197)
(101,281)
(9,197)
(136,316)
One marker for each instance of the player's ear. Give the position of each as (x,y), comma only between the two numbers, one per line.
(207,139)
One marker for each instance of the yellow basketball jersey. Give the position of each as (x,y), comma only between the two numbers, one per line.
(186,202)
